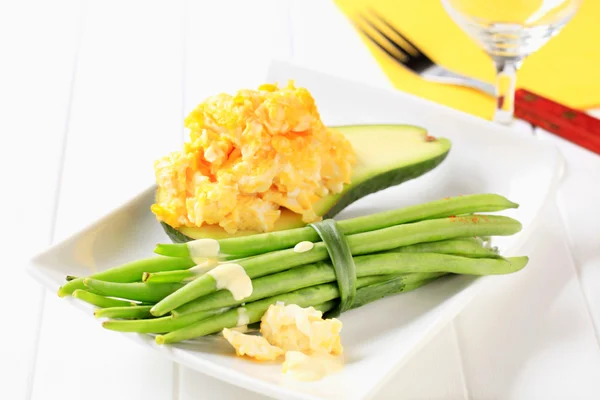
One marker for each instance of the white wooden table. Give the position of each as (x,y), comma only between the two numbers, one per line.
(92,92)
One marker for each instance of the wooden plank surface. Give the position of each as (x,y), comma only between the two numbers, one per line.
(35,103)
(126,112)
(323,39)
(578,201)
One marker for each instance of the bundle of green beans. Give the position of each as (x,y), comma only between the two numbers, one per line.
(381,255)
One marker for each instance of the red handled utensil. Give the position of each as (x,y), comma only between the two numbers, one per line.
(570,124)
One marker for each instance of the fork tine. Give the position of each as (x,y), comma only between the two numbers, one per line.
(401,57)
(416,52)
(401,60)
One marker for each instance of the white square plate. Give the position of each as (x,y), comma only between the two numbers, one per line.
(379,337)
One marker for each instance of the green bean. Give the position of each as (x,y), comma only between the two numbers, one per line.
(172,249)
(361,243)
(323,307)
(70,278)
(170,324)
(306,297)
(271,241)
(129,272)
(432,231)
(145,292)
(181,275)
(159,325)
(467,247)
(391,263)
(266,286)
(255,310)
(404,283)
(98,300)
(396,263)
(130,312)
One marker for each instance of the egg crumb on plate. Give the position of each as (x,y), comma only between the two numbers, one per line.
(253,346)
(311,344)
(249,155)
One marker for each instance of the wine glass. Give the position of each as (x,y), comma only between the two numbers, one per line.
(509,31)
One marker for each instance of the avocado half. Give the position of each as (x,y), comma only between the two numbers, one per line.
(387,155)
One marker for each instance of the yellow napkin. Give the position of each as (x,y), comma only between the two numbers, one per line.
(566,69)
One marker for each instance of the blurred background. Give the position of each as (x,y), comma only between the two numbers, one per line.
(563,69)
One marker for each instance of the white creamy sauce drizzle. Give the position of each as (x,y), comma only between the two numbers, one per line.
(302,367)
(243,317)
(303,246)
(204,265)
(232,277)
(203,248)
(241,328)
(199,260)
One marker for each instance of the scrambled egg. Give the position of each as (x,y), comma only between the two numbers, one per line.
(311,345)
(253,346)
(291,327)
(250,154)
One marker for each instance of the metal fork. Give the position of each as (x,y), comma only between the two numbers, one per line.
(406,53)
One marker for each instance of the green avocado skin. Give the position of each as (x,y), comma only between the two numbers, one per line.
(174,234)
(383,181)
(379,181)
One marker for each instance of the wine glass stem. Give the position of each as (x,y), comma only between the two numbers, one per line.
(506,76)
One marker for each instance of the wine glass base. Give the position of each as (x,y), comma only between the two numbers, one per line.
(503,117)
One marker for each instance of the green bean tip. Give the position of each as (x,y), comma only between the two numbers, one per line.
(522,260)
(155,312)
(160,339)
(159,249)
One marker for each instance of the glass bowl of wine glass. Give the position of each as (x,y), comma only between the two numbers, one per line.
(509,31)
